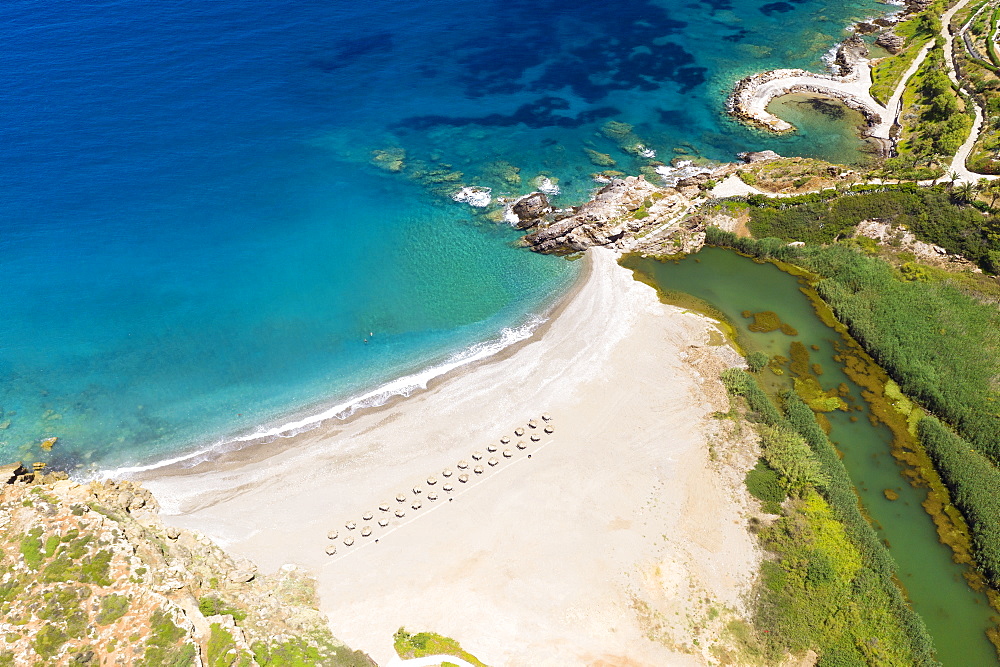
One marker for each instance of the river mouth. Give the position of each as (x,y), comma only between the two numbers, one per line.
(725,284)
(833,130)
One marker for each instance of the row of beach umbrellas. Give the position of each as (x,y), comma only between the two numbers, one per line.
(386,511)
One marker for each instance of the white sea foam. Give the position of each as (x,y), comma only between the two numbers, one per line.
(546,185)
(474,195)
(509,216)
(681,170)
(648,153)
(404,386)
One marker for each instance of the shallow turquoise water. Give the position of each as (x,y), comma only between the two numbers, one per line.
(195,243)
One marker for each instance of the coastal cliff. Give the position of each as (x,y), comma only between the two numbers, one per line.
(91,576)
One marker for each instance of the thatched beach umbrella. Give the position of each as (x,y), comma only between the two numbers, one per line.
(535,437)
(491,448)
(478,470)
(546,417)
(417,490)
(504,440)
(432,496)
(463,478)
(493,461)
(367,516)
(384,507)
(521,444)
(366,531)
(549,429)
(400,498)
(519,431)
(383,522)
(448,488)
(416,504)
(348,541)
(431,481)
(533,424)
(507,453)
(332,549)
(463,464)
(447,472)
(400,513)
(351,525)
(332,535)
(477,455)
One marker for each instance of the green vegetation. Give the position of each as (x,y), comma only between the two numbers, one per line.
(766,485)
(49,640)
(830,586)
(917,31)
(981,78)
(211,605)
(163,647)
(768,321)
(112,608)
(222,650)
(757,361)
(973,481)
(31,548)
(942,346)
(937,123)
(939,344)
(309,651)
(429,643)
(934,215)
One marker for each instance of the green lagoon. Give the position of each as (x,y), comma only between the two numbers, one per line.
(725,284)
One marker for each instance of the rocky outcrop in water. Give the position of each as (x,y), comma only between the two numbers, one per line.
(622,210)
(849,53)
(531,210)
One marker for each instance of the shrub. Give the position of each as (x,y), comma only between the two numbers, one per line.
(765,484)
(756,361)
(112,608)
(31,548)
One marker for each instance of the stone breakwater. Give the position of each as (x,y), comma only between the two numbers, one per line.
(751,95)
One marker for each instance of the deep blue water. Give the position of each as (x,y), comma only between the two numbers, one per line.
(195,242)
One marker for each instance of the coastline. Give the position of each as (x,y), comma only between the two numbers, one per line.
(316,417)
(623,496)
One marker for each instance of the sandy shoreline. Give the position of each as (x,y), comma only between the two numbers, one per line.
(599,549)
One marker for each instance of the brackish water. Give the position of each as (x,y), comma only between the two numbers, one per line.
(956,616)
(195,241)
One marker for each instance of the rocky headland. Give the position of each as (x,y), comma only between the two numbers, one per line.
(92,576)
(621,215)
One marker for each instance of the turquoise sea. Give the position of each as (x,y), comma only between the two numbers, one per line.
(199,233)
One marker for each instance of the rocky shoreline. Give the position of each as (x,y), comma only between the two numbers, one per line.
(627,214)
(850,81)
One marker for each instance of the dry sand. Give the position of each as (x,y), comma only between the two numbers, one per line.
(609,546)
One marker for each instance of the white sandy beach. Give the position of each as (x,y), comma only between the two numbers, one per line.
(601,549)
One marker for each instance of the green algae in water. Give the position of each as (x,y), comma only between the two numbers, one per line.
(956,616)
(831,128)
